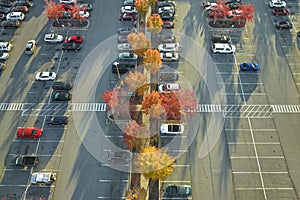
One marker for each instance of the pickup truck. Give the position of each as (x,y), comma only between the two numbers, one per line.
(43,178)
(25,160)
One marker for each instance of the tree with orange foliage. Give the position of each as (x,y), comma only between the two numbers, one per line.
(157,111)
(149,100)
(154,23)
(135,136)
(142,6)
(137,81)
(155,163)
(111,97)
(53,10)
(152,60)
(172,105)
(139,43)
(74,11)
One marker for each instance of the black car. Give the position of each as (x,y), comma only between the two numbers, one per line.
(167,16)
(5,3)
(57,120)
(126,31)
(166,39)
(178,191)
(71,46)
(2,16)
(11,23)
(122,67)
(22,3)
(284,25)
(234,5)
(62,86)
(4,10)
(61,95)
(168,77)
(166,3)
(220,38)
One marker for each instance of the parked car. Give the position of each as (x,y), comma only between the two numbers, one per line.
(166,39)
(169,56)
(281,11)
(61,95)
(169,47)
(22,3)
(277,4)
(284,25)
(122,39)
(168,9)
(10,24)
(57,120)
(5,46)
(6,3)
(74,39)
(66,15)
(220,38)
(168,77)
(128,9)
(2,66)
(171,129)
(168,24)
(124,47)
(4,55)
(234,13)
(127,56)
(4,10)
(122,67)
(30,47)
(223,48)
(84,14)
(62,86)
(86,6)
(71,46)
(45,76)
(43,178)
(67,1)
(22,9)
(126,31)
(178,190)
(29,133)
(208,6)
(128,3)
(15,16)
(53,38)
(125,156)
(167,16)
(25,161)
(249,66)
(167,87)
(166,3)
(234,5)
(128,17)
(2,16)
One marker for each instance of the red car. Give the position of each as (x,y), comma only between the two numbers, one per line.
(128,17)
(29,133)
(74,39)
(281,11)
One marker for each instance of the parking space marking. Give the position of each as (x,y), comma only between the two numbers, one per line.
(175,181)
(263,188)
(260,172)
(110,197)
(247,94)
(115,165)
(109,181)
(245,129)
(243,83)
(181,165)
(39,155)
(253,157)
(260,143)
(13,185)
(42,141)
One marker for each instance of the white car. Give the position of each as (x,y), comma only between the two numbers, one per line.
(166,9)
(277,4)
(30,46)
(173,129)
(124,47)
(4,56)
(169,47)
(128,9)
(223,48)
(209,6)
(15,16)
(120,155)
(53,38)
(169,56)
(83,13)
(5,46)
(43,178)
(67,1)
(167,87)
(45,76)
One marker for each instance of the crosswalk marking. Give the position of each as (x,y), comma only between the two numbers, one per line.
(228,111)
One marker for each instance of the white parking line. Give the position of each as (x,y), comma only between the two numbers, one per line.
(175,181)
(109,181)
(11,154)
(13,185)
(242,83)
(260,172)
(253,157)
(114,136)
(45,141)
(114,165)
(264,189)
(261,143)
(245,129)
(110,198)
(237,93)
(182,165)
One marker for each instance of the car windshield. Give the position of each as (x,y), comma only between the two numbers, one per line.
(34,132)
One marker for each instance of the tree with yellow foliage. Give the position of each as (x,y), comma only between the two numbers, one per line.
(152,60)
(137,81)
(139,42)
(142,6)
(154,23)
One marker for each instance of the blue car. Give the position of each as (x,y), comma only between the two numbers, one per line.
(249,66)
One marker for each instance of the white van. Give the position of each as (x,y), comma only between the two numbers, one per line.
(15,16)
(223,48)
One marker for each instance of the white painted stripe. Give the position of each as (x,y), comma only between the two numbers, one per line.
(182,165)
(109,181)
(44,141)
(242,83)
(111,197)
(263,188)
(244,129)
(247,143)
(260,157)
(116,165)
(113,136)
(175,181)
(260,172)
(13,185)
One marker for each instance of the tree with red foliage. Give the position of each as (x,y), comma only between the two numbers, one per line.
(150,100)
(247,13)
(53,10)
(135,136)
(187,101)
(172,105)
(74,11)
(220,11)
(111,97)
